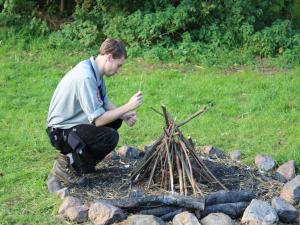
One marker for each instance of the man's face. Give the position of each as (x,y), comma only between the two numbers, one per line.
(112,65)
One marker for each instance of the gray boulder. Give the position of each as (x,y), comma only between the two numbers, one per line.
(212,151)
(113,155)
(78,214)
(185,218)
(68,203)
(264,163)
(217,219)
(101,213)
(286,212)
(291,191)
(143,220)
(259,213)
(130,152)
(286,171)
(236,155)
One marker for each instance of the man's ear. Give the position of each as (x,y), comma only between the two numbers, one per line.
(109,57)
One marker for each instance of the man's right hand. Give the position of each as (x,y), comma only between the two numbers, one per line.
(111,115)
(135,101)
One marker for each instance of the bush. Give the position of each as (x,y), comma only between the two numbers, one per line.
(290,56)
(187,31)
(85,33)
(271,40)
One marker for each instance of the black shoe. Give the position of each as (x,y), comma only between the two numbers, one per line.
(63,170)
(53,183)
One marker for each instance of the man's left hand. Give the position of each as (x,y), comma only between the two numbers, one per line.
(129,118)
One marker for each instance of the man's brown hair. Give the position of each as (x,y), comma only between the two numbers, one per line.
(114,47)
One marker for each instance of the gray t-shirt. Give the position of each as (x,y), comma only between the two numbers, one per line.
(79,97)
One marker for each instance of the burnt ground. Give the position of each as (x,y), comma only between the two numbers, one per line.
(111,181)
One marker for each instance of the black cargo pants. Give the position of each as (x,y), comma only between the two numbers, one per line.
(97,142)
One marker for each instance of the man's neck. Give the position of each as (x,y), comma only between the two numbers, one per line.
(100,64)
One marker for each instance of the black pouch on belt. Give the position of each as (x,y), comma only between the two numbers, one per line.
(56,138)
(76,143)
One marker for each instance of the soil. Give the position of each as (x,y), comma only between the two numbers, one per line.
(111,180)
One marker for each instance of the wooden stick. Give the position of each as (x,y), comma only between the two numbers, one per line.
(189,164)
(165,115)
(234,210)
(179,171)
(186,169)
(171,215)
(158,211)
(183,176)
(168,200)
(143,165)
(153,170)
(157,111)
(221,197)
(200,111)
(170,168)
(202,165)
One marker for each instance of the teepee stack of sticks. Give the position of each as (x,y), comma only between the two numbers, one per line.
(172,163)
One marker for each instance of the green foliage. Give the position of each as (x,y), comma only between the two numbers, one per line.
(84,33)
(295,13)
(37,27)
(291,56)
(20,7)
(271,40)
(196,31)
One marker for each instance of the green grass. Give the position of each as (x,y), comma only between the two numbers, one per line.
(250,111)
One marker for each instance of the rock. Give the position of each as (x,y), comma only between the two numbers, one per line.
(130,152)
(291,191)
(286,171)
(210,150)
(113,155)
(78,214)
(259,213)
(235,155)
(102,213)
(143,220)
(264,163)
(63,193)
(185,218)
(217,219)
(53,183)
(285,211)
(68,203)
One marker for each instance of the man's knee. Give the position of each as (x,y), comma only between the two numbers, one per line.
(108,139)
(106,145)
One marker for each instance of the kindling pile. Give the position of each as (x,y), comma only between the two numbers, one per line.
(171,161)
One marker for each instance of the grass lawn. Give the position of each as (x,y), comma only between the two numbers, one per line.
(254,112)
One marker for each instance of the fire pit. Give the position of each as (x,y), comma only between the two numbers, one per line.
(173,176)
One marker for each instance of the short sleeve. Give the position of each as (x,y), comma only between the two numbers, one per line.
(90,99)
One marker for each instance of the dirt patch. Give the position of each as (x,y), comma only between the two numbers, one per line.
(262,66)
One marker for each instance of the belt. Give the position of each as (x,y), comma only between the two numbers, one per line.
(51,129)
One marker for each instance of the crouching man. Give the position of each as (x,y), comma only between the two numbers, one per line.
(82,121)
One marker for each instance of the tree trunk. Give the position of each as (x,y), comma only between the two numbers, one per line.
(62,6)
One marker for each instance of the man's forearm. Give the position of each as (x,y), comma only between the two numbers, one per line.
(109,106)
(111,115)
